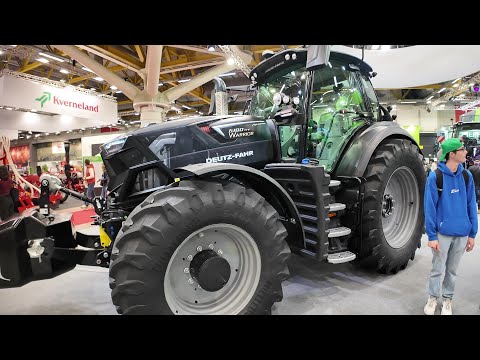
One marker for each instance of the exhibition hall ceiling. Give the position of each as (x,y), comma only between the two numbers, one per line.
(180,63)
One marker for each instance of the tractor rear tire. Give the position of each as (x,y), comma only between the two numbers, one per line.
(152,269)
(393,218)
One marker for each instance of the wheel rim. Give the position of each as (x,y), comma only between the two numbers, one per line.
(400,207)
(184,294)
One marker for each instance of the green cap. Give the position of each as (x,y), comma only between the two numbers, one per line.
(450,145)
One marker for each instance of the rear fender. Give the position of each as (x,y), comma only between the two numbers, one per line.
(357,156)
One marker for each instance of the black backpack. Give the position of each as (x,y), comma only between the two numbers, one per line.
(440,180)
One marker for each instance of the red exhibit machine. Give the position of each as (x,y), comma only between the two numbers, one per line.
(72,180)
(28,188)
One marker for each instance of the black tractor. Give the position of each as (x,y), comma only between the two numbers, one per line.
(204,212)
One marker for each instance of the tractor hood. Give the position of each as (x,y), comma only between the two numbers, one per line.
(241,139)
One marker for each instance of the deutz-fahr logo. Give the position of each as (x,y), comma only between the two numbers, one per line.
(228,157)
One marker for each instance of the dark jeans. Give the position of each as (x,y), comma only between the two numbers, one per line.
(90,192)
(103,195)
(6,207)
(477,195)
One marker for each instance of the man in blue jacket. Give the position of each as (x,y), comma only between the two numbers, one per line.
(451,222)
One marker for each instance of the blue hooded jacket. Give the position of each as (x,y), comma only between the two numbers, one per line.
(455,214)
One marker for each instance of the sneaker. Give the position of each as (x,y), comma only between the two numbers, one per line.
(430,306)
(447,307)
(84,206)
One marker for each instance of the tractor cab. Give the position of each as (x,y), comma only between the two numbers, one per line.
(317,111)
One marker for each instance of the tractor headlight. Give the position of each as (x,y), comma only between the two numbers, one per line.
(115,145)
(277,99)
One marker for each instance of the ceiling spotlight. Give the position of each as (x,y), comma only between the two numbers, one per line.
(51,56)
(211,47)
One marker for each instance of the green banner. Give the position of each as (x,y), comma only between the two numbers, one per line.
(97,158)
(414,130)
(477,115)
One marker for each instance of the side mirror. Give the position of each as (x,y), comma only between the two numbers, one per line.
(246,107)
(386,113)
(365,114)
(317,56)
(285,115)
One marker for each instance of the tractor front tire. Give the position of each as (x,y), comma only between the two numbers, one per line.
(200,248)
(393,218)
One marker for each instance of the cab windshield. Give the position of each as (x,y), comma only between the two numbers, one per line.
(317,121)
(285,90)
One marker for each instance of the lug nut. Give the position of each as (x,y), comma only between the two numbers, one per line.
(186,270)
(190,281)
(189,257)
(199,248)
(210,246)
(220,252)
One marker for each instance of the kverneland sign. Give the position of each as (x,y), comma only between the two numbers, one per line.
(57,100)
(76,105)
(27,94)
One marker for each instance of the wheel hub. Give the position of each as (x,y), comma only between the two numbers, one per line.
(188,287)
(211,271)
(387,205)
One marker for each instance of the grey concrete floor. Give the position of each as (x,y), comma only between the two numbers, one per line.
(313,288)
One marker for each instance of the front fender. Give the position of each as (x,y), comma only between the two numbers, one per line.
(263,184)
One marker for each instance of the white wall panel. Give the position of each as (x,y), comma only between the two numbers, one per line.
(11,134)
(418,65)
(444,117)
(21,120)
(417,115)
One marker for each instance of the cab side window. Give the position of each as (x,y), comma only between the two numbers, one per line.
(372,97)
(336,102)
